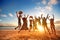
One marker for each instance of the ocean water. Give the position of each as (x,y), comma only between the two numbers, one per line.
(57,27)
(7,28)
(12,28)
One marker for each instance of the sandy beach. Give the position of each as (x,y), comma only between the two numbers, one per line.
(26,35)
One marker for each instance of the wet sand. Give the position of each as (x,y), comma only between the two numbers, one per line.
(26,35)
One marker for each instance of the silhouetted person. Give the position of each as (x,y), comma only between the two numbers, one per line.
(31,22)
(35,23)
(19,16)
(24,27)
(39,20)
(52,25)
(44,24)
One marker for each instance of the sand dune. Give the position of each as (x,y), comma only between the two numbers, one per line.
(26,35)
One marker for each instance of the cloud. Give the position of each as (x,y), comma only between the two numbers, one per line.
(37,8)
(48,5)
(46,9)
(44,2)
(10,14)
(52,2)
(0,20)
(3,15)
(38,3)
(49,8)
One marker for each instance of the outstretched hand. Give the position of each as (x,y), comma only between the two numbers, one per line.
(53,16)
(41,15)
(47,15)
(16,14)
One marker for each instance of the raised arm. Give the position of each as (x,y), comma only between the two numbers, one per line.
(53,16)
(41,15)
(16,14)
(47,16)
(27,16)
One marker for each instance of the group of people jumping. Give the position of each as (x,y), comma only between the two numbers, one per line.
(33,22)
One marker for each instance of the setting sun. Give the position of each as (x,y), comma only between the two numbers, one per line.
(40,28)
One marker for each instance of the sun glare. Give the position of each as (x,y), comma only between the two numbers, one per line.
(40,28)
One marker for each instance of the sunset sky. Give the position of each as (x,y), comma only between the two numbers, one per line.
(8,9)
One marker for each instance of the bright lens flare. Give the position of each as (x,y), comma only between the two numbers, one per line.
(40,28)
